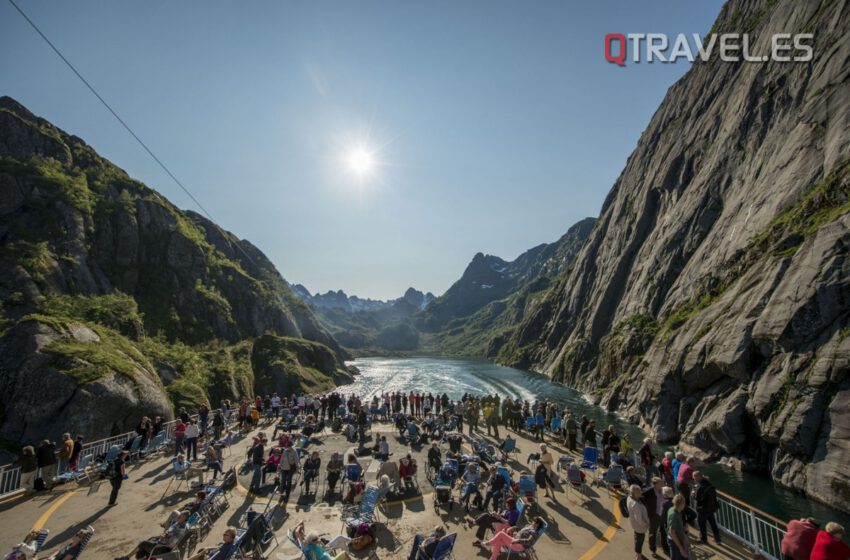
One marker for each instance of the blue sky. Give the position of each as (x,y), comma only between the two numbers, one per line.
(496,124)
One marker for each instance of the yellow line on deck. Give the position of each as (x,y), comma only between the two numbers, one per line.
(606,537)
(52,509)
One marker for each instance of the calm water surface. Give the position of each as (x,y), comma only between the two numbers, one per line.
(458,376)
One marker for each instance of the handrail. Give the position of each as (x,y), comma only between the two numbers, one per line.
(753,508)
(10,474)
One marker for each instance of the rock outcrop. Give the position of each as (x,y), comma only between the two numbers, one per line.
(711,303)
(167,303)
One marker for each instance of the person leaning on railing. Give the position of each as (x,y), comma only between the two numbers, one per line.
(799,539)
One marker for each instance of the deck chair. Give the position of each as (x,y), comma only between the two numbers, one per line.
(527,490)
(179,476)
(575,480)
(555,428)
(80,473)
(443,550)
(135,446)
(111,455)
(590,460)
(613,478)
(564,461)
(507,447)
(528,551)
(40,540)
(367,511)
(85,542)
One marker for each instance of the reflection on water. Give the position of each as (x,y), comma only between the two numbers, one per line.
(456,377)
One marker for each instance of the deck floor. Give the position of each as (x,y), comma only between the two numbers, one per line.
(583,528)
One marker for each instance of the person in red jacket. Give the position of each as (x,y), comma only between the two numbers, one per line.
(798,541)
(828,544)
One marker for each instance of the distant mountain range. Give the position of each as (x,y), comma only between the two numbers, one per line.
(353,304)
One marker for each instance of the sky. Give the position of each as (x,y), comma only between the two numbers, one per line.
(492,125)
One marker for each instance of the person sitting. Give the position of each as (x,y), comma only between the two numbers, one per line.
(407,470)
(184,467)
(311,470)
(390,470)
(470,480)
(426,545)
(413,433)
(495,487)
(24,549)
(383,452)
(193,506)
(632,478)
(313,548)
(515,539)
(71,550)
(224,550)
(213,459)
(401,425)
(166,542)
(334,469)
(495,521)
(272,463)
(435,457)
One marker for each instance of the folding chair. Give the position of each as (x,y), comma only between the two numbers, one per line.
(508,446)
(528,490)
(80,473)
(555,428)
(179,476)
(111,455)
(527,551)
(85,542)
(590,461)
(575,480)
(613,478)
(40,540)
(443,550)
(367,511)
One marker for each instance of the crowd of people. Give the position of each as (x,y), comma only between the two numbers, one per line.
(663,493)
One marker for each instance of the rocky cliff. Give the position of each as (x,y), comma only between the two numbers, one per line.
(711,303)
(116,304)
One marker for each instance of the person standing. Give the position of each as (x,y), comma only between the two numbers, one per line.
(647,458)
(29,464)
(706,504)
(799,540)
(653,499)
(46,456)
(75,454)
(494,421)
(288,468)
(179,437)
(572,432)
(192,433)
(258,453)
(684,479)
(829,544)
(638,518)
(64,453)
(117,475)
(678,540)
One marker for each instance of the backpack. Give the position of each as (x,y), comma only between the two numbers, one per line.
(624,506)
(110,471)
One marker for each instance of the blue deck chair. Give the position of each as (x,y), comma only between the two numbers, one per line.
(528,551)
(555,427)
(85,542)
(135,445)
(613,478)
(530,424)
(80,473)
(443,550)
(590,460)
(366,513)
(527,490)
(575,480)
(40,540)
(506,474)
(111,455)
(507,447)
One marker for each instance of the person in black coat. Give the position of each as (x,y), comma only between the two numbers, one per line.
(706,504)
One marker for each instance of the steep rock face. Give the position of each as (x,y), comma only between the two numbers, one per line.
(176,300)
(41,395)
(712,300)
(489,278)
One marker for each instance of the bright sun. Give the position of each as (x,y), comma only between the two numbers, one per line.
(360,161)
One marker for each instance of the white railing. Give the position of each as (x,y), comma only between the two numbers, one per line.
(755,528)
(10,475)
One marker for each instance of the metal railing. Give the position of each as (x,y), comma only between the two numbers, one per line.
(10,475)
(755,528)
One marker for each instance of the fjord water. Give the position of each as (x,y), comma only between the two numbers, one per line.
(458,376)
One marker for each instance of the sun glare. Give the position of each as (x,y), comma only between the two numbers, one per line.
(360,161)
